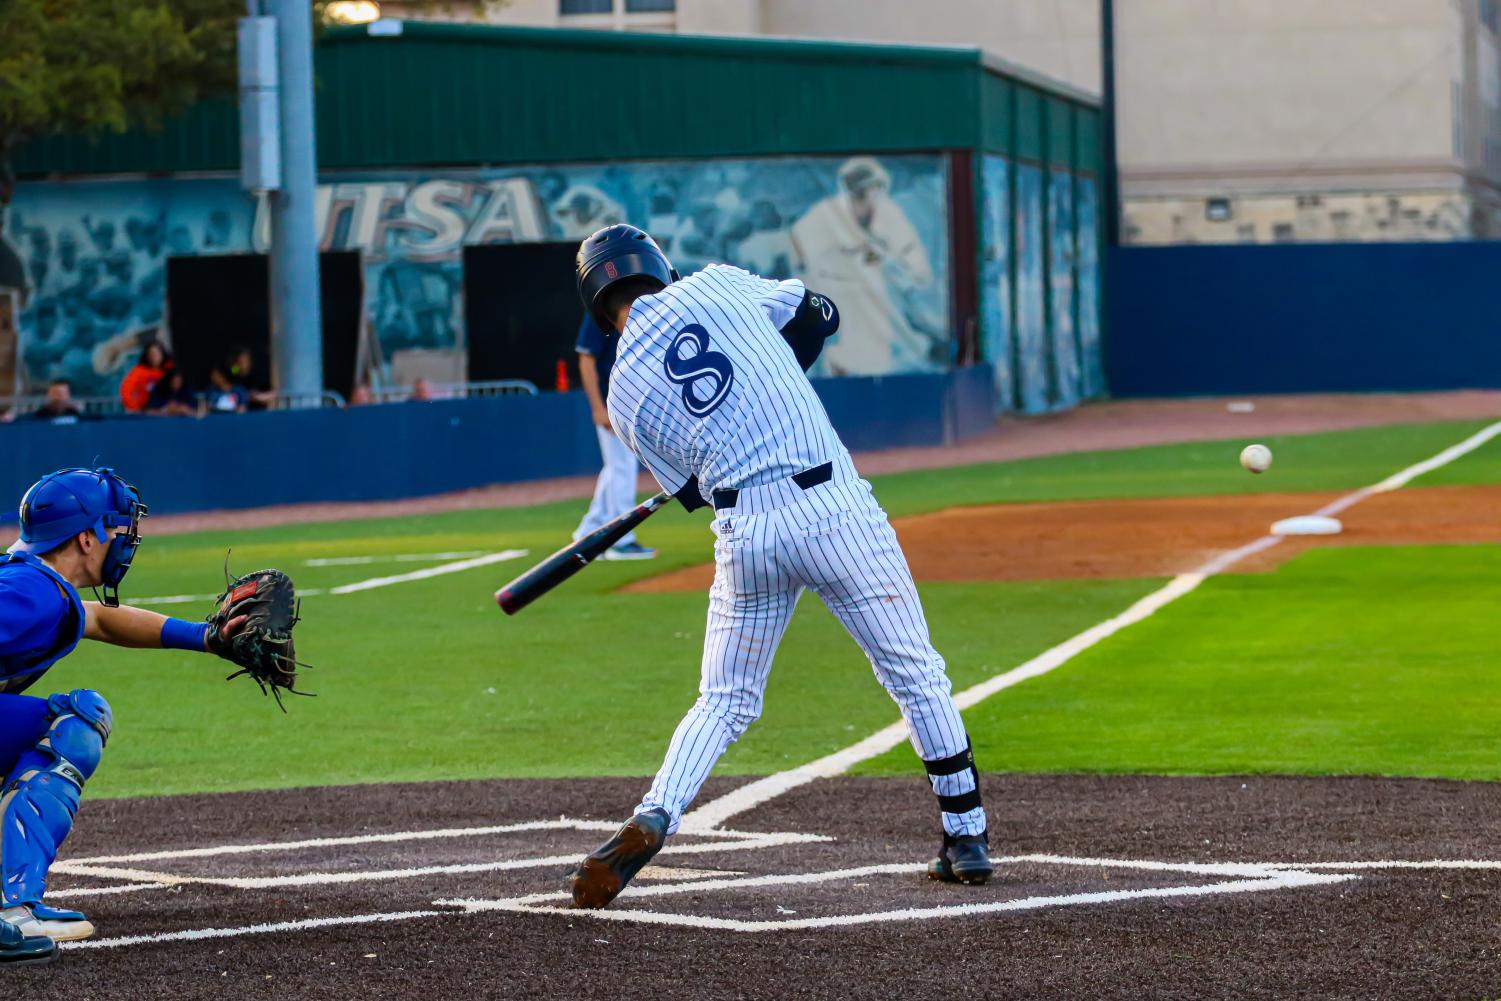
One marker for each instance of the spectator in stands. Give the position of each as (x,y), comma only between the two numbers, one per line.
(135,388)
(233,387)
(60,407)
(422,391)
(361,395)
(172,397)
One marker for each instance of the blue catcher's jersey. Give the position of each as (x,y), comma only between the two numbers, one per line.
(41,620)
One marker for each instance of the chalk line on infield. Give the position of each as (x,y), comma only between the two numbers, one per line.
(753,794)
(1237,878)
(456,566)
(198,934)
(353,561)
(426,572)
(108,867)
(1240,878)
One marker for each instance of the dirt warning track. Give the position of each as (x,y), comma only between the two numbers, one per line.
(1154,537)
(1115,887)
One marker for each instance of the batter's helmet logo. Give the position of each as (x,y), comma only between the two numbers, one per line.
(611,270)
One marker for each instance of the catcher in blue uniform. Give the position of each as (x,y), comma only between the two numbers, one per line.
(80,529)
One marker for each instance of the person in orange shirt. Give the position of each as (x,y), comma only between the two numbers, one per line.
(135,388)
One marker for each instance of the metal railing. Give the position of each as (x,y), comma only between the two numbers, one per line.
(92,406)
(456,390)
(111,406)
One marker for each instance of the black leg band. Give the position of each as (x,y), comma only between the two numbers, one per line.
(957,764)
(953,764)
(962,803)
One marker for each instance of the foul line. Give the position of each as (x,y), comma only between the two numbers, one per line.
(425,573)
(361,585)
(753,794)
(353,561)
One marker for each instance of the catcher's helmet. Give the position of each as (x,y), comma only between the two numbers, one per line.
(612,255)
(62,504)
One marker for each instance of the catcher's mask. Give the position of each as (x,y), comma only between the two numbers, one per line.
(62,504)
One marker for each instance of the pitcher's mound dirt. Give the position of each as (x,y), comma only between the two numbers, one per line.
(1154,537)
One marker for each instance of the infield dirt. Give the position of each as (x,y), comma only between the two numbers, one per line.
(1422,933)
(1118,539)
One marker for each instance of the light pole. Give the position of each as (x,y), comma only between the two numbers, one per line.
(291,187)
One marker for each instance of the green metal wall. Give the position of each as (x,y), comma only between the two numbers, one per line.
(456,95)
(461,95)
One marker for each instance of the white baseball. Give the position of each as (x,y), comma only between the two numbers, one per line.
(1256,458)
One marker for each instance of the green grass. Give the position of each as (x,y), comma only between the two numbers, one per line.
(1341,460)
(1362,660)
(429,680)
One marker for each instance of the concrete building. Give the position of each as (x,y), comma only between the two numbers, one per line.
(1239,120)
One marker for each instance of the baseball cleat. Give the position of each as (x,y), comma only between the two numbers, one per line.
(18,946)
(601,876)
(630,551)
(962,859)
(60,925)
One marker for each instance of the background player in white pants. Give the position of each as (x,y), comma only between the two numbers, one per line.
(615,490)
(708,391)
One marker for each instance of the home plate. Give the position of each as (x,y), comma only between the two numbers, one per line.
(1308,524)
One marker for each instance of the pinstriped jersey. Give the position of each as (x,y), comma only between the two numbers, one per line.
(704,384)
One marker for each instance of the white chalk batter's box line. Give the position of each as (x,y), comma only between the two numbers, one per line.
(653,883)
(123,867)
(1238,878)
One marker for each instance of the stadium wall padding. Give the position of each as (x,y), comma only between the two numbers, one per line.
(1296,318)
(414,449)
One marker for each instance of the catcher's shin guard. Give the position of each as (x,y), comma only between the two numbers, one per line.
(42,793)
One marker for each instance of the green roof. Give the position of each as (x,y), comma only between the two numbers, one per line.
(450,95)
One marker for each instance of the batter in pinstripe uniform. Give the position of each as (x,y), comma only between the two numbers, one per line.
(709,391)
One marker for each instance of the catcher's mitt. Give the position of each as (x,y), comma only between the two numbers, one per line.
(261,646)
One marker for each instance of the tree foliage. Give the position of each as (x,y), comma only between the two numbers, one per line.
(85,65)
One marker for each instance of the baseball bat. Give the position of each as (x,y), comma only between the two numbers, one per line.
(573,557)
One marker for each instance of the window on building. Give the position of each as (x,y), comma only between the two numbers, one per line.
(1217,209)
(571,7)
(1490,15)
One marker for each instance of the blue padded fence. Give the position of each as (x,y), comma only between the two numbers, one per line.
(412,449)
(1292,318)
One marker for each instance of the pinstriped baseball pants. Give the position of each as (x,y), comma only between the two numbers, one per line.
(833,539)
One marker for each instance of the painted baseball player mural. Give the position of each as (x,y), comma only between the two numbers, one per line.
(80,528)
(709,391)
(863,251)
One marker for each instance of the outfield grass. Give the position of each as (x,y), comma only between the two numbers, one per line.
(1376,660)
(429,680)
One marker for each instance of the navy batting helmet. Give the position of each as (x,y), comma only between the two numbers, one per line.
(612,255)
